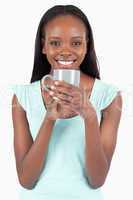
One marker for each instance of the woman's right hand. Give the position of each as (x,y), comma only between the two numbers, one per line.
(55,108)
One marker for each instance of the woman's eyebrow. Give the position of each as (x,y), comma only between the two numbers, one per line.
(76,37)
(57,37)
(54,37)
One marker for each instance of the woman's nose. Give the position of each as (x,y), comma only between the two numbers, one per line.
(65,54)
(65,48)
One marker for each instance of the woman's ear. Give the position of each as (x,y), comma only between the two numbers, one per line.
(43,46)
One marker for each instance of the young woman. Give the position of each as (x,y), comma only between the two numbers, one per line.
(64,146)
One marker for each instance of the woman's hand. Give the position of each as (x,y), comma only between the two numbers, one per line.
(55,109)
(76,99)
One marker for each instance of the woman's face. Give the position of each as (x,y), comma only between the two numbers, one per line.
(65,43)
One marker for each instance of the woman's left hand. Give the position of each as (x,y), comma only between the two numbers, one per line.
(75,97)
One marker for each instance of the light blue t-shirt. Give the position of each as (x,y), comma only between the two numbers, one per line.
(63,177)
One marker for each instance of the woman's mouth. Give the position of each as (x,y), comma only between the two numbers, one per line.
(65,62)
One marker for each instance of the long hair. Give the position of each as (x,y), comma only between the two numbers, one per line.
(41,66)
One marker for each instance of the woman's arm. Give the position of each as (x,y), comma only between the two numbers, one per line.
(101,142)
(30,156)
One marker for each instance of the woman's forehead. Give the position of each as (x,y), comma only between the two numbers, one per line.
(63,24)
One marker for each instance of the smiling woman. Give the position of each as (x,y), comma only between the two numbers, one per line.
(64,153)
(66,45)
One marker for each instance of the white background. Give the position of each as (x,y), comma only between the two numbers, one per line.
(112,27)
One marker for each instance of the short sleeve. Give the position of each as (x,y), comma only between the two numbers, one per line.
(109,95)
(20,92)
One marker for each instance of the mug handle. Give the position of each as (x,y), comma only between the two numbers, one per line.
(45,86)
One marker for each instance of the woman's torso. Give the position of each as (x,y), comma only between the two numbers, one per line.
(64,175)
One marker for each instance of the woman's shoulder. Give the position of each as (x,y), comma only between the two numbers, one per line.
(105,92)
(105,86)
(21,88)
(25,92)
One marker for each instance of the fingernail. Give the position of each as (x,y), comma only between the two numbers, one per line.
(53,87)
(55,98)
(56,83)
(51,93)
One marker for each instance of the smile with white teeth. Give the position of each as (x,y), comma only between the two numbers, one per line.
(65,62)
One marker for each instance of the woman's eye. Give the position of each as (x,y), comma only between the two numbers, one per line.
(55,43)
(76,43)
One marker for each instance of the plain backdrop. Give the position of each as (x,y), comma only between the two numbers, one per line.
(112,27)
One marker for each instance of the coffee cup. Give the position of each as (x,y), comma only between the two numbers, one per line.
(70,76)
